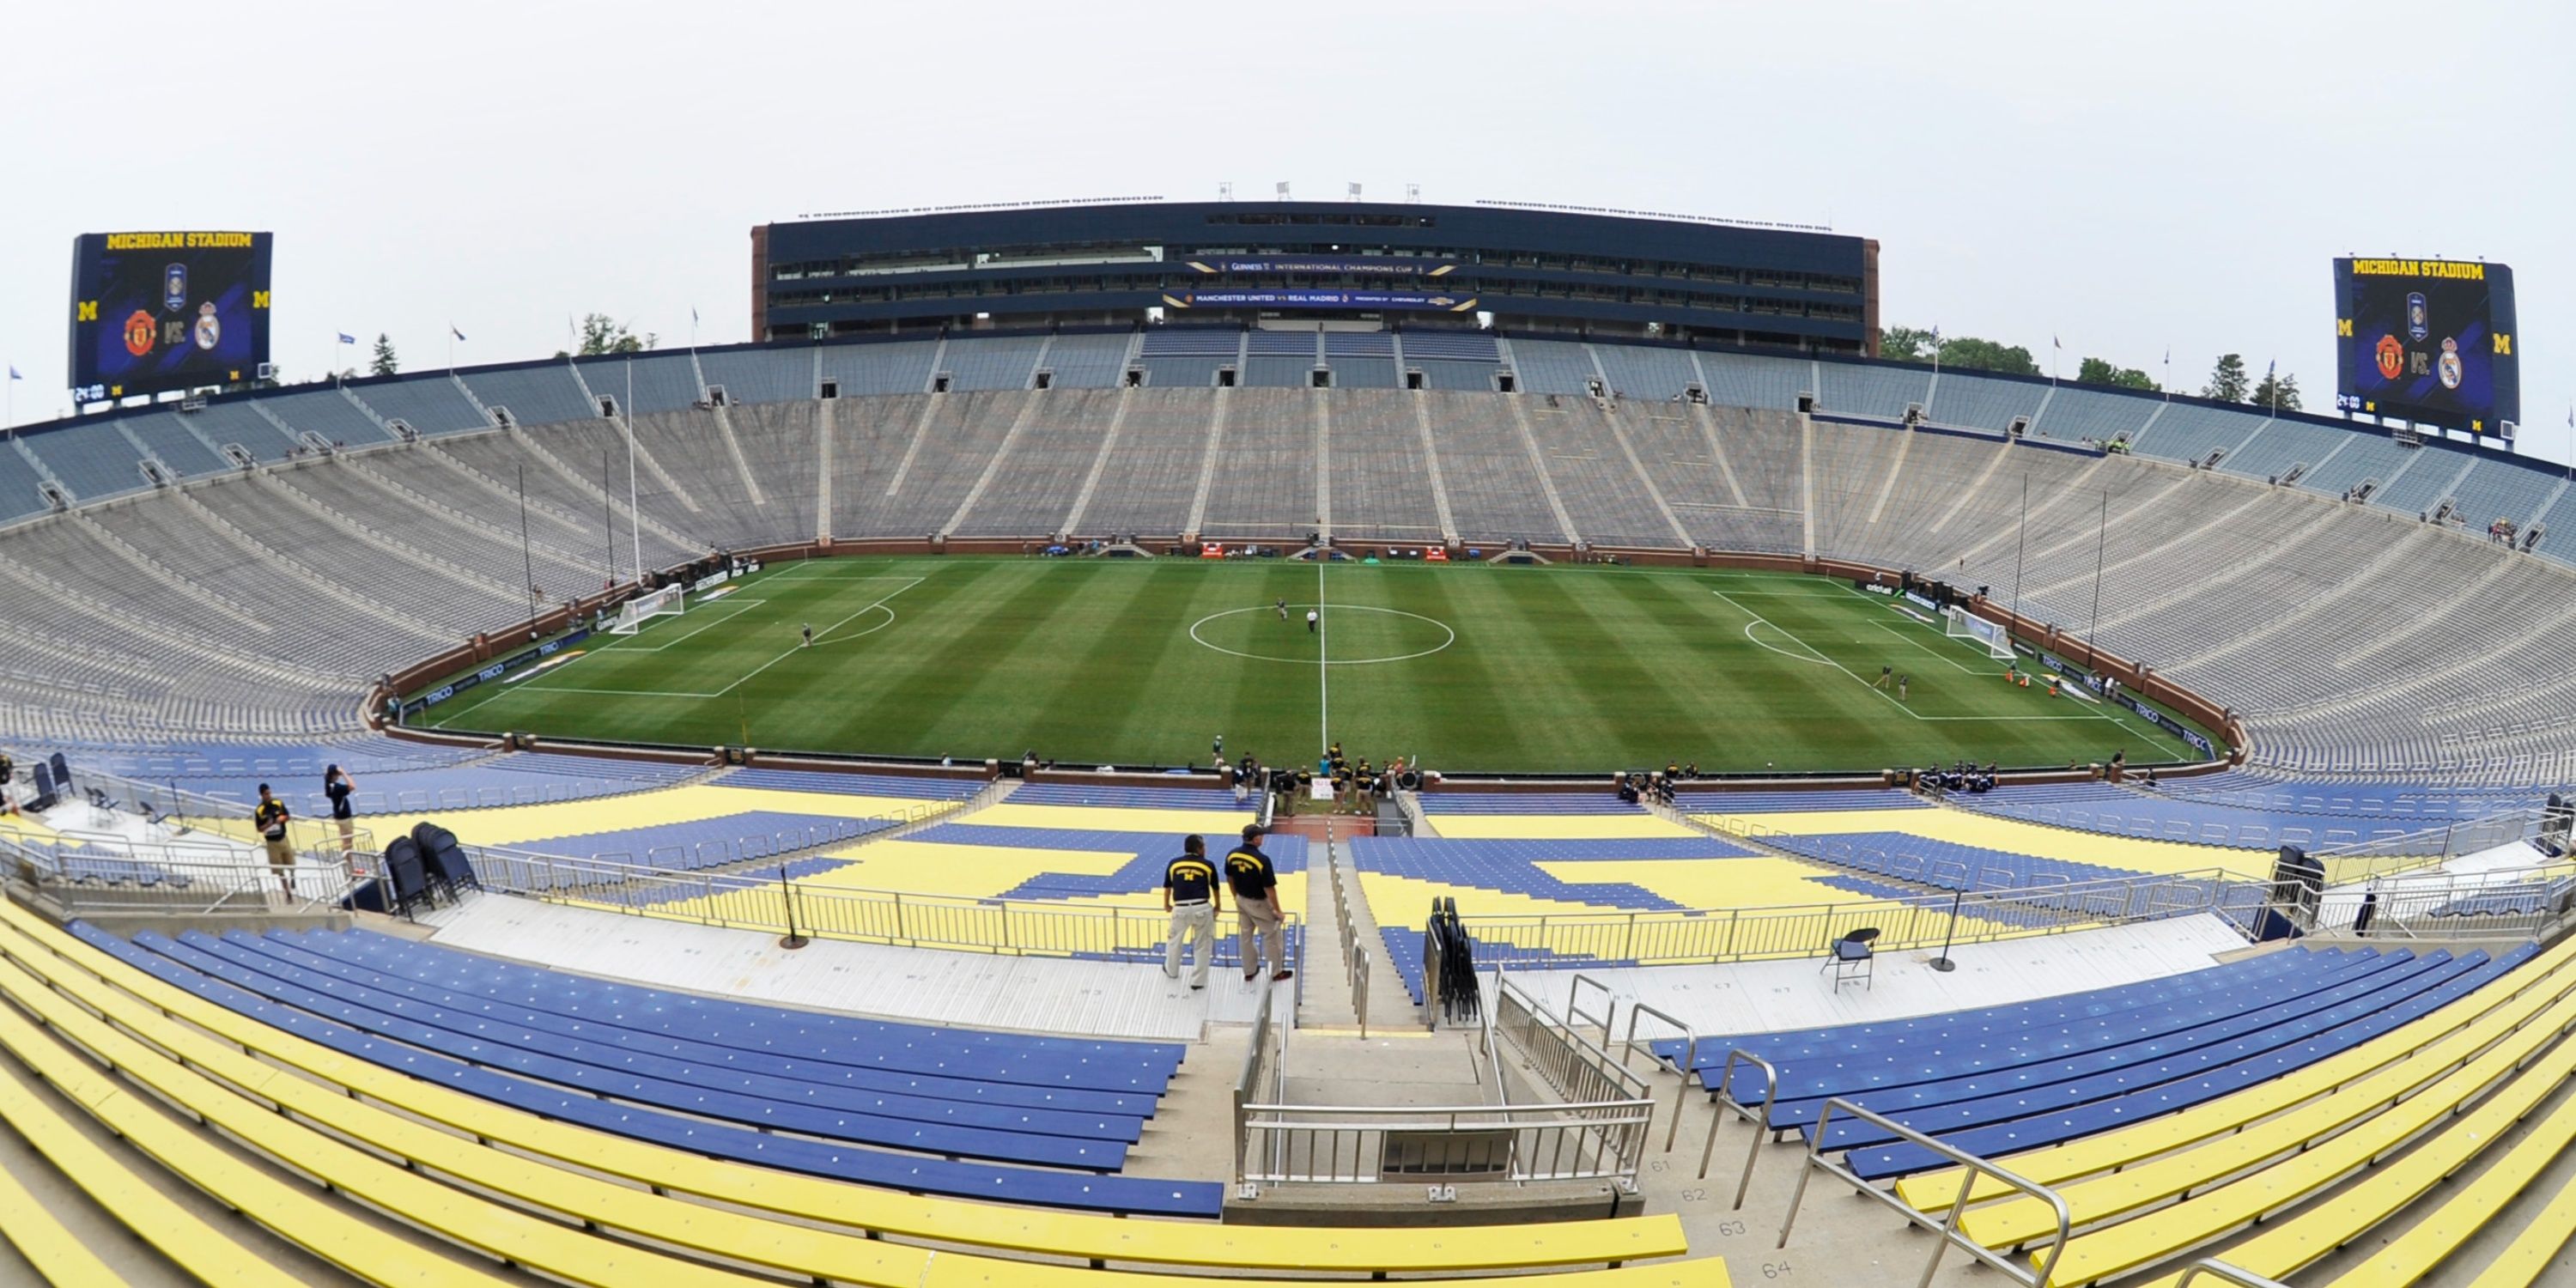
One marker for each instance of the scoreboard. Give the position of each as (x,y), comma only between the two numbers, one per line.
(157,311)
(2429,341)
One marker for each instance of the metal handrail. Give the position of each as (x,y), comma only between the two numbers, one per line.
(1360,988)
(1010,927)
(1244,1080)
(1573,1011)
(1680,1068)
(1761,1124)
(1913,921)
(2217,1269)
(1947,1227)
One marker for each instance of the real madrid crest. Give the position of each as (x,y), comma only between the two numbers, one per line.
(2449,366)
(210,328)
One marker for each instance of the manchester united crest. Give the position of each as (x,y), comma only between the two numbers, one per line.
(2392,358)
(210,329)
(2449,367)
(138,333)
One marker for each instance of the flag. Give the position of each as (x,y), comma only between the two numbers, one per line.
(693,315)
(13,375)
(346,338)
(2055,343)
(451,330)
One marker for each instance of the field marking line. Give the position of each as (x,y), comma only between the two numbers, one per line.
(1901,633)
(1203,642)
(669,640)
(1793,635)
(879,602)
(1323,663)
(1810,657)
(2116,715)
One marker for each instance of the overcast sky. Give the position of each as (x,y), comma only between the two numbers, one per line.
(2125,178)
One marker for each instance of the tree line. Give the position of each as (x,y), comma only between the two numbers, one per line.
(2228,381)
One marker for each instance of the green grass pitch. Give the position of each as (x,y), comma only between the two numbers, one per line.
(1465,667)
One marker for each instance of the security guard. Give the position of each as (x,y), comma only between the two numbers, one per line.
(1189,894)
(1257,913)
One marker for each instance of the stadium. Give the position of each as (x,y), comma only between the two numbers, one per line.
(764,761)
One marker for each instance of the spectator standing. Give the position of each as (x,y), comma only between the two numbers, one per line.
(1189,895)
(271,816)
(337,785)
(1258,917)
(8,793)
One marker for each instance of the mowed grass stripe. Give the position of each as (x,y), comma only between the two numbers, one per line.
(1564,669)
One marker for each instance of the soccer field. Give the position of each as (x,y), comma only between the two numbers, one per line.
(1463,667)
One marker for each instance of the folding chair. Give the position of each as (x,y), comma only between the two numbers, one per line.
(1849,957)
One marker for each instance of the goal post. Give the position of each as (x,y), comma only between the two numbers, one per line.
(1964,625)
(632,614)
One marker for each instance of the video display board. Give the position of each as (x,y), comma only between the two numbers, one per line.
(2429,341)
(157,311)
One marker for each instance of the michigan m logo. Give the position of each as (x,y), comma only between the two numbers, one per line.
(259,299)
(2503,345)
(2343,328)
(85,311)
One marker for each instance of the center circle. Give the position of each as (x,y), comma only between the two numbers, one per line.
(1394,635)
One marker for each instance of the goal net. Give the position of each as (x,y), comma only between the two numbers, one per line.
(632,614)
(1964,625)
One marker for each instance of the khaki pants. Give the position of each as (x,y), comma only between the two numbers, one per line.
(281,857)
(1253,917)
(348,842)
(1196,922)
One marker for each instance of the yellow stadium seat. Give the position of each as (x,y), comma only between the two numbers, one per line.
(310,1218)
(2348,1211)
(2251,1142)
(2412,1255)
(2531,1252)
(56,1253)
(2491,1011)
(82,970)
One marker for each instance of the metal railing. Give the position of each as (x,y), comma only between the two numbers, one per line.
(1680,1069)
(1602,1137)
(315,840)
(1262,1077)
(2364,860)
(1947,1226)
(777,902)
(92,874)
(1909,922)
(1574,1004)
(1571,1064)
(1761,1120)
(1509,1144)
(2522,903)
